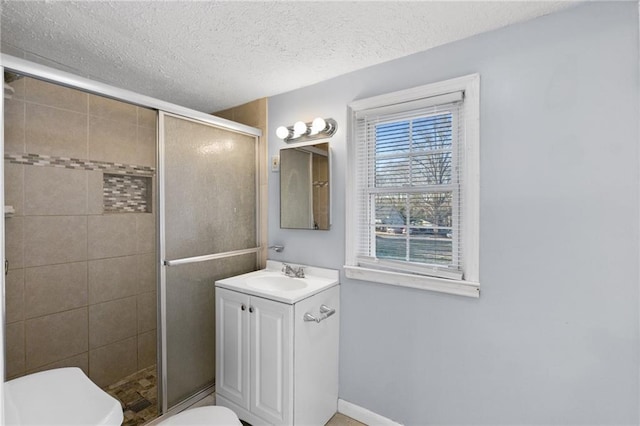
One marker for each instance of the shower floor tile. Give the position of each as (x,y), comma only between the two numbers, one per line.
(138,395)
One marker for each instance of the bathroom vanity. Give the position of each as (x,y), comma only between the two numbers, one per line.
(277,345)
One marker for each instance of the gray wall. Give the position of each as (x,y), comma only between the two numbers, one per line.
(554,337)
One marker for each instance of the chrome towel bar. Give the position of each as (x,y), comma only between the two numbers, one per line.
(325,312)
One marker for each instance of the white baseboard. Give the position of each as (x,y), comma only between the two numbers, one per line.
(363,415)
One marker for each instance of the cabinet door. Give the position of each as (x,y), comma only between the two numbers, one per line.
(232,346)
(271,360)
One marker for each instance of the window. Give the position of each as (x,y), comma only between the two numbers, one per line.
(412,196)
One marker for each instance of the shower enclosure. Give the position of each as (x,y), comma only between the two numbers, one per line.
(118,220)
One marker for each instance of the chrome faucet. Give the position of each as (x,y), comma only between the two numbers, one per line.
(293,272)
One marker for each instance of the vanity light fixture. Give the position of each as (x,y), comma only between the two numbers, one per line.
(319,128)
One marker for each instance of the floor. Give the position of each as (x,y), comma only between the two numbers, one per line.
(138,395)
(342,420)
(337,420)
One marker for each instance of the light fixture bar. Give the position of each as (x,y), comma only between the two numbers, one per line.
(319,128)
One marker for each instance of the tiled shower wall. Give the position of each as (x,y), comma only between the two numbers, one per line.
(81,288)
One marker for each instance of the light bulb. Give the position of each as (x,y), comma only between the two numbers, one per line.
(299,128)
(282,132)
(318,125)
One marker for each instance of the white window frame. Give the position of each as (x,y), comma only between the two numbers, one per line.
(469,285)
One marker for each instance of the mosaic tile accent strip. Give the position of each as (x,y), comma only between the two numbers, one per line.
(126,194)
(78,164)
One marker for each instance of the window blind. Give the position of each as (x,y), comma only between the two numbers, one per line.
(409,188)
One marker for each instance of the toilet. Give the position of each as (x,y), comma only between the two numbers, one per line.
(66,396)
(210,415)
(63,396)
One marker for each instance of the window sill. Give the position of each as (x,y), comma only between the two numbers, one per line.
(440,285)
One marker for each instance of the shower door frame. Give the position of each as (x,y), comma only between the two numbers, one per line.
(52,75)
(2,256)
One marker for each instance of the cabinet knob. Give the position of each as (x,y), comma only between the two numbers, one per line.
(251,309)
(243,307)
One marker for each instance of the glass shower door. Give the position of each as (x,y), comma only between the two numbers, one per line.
(209,232)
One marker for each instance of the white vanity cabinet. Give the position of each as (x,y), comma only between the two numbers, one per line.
(254,348)
(273,367)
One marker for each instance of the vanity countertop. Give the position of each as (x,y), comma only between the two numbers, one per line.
(271,283)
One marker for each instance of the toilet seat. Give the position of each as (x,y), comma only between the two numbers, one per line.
(211,415)
(63,396)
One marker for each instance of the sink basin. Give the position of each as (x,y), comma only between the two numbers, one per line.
(270,283)
(278,283)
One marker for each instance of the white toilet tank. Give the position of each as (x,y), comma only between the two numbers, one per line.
(63,396)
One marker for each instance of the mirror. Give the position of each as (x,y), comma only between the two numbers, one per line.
(304,187)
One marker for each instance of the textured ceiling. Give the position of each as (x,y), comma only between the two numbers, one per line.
(211,55)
